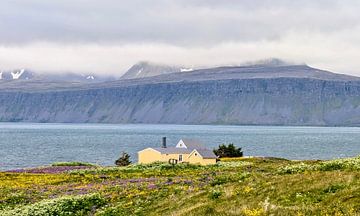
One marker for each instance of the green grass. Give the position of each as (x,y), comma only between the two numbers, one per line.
(246,186)
(72,163)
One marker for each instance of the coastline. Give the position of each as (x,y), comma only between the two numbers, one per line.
(251,186)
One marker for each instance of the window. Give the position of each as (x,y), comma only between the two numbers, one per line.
(195,154)
(180,158)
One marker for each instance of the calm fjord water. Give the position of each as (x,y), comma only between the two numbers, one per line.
(30,145)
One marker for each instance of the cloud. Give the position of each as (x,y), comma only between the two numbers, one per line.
(109,36)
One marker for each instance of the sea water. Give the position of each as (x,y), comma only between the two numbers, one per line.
(30,144)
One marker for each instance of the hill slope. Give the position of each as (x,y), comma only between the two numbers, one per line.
(259,95)
(254,186)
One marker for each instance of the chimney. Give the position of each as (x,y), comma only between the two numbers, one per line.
(164,142)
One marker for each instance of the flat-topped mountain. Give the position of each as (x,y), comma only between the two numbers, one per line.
(217,73)
(253,95)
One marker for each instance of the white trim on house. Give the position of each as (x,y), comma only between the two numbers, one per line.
(195,151)
(181,144)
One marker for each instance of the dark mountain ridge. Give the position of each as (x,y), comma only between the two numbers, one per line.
(147,69)
(251,95)
(218,73)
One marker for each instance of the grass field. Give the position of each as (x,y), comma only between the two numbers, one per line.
(249,186)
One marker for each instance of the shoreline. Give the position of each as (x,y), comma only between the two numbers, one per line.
(54,169)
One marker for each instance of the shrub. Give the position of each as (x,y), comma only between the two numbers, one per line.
(143,169)
(215,194)
(219,180)
(296,168)
(243,176)
(331,165)
(339,164)
(229,150)
(231,164)
(334,188)
(124,160)
(68,205)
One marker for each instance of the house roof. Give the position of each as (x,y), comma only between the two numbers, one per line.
(173,150)
(206,153)
(193,144)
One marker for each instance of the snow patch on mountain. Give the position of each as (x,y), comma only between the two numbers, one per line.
(139,72)
(186,69)
(17,74)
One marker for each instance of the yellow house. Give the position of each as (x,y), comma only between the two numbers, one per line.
(186,151)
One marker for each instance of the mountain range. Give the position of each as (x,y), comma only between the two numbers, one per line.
(139,70)
(24,74)
(16,74)
(267,93)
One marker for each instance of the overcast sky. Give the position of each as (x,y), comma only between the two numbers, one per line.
(108,36)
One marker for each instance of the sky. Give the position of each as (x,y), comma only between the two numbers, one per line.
(108,36)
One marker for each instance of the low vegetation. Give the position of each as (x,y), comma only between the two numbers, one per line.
(234,186)
(74,163)
(67,205)
(351,164)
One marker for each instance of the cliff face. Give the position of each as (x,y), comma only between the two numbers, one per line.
(259,101)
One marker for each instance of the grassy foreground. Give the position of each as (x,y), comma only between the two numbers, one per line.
(233,187)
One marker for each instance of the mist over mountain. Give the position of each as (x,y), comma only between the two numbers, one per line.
(75,77)
(21,74)
(269,62)
(275,94)
(148,69)
(28,75)
(139,70)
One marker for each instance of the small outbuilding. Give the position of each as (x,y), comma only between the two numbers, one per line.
(186,151)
